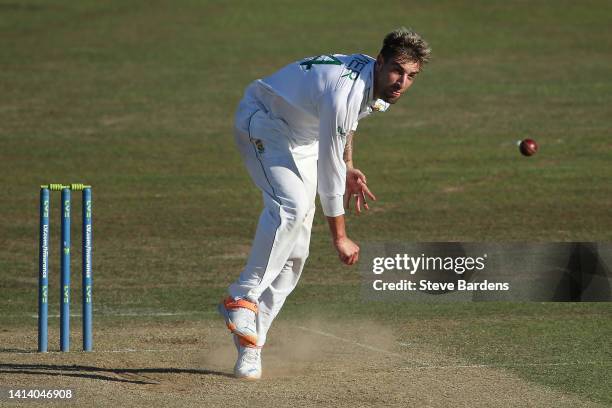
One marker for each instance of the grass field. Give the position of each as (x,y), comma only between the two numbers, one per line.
(137,99)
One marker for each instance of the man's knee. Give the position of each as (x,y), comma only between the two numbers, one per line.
(300,254)
(295,209)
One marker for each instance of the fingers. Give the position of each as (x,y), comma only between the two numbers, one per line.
(360,198)
(354,259)
(347,201)
(366,190)
(348,252)
(360,192)
(350,259)
(365,202)
(359,175)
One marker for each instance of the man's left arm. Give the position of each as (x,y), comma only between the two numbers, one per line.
(356,186)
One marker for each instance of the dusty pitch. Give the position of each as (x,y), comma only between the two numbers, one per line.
(313,363)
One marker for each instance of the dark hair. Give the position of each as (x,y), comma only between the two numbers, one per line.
(405,44)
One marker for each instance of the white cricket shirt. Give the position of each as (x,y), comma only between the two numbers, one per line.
(321,99)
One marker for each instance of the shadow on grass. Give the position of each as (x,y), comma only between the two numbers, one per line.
(125,375)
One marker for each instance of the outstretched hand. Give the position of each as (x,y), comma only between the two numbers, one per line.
(357,188)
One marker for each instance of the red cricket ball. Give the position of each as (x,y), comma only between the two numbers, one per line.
(528,147)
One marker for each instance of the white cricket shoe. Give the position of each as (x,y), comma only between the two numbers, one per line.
(248,365)
(240,318)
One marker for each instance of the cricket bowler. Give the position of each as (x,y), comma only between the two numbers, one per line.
(294,130)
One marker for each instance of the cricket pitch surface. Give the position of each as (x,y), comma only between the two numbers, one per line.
(310,363)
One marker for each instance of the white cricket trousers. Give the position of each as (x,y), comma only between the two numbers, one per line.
(287,178)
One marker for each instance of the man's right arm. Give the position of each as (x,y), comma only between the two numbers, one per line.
(348,251)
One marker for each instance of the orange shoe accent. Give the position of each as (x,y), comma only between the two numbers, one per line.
(245,343)
(230,304)
(249,341)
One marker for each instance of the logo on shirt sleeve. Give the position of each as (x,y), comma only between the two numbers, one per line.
(380,106)
(259,146)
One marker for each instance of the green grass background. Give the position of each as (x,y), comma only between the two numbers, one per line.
(137,99)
